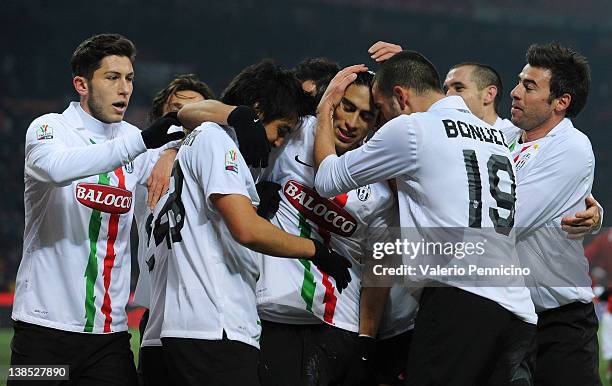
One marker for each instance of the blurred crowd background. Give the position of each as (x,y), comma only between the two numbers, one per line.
(216,39)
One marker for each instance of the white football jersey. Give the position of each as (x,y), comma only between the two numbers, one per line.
(211,278)
(555,175)
(142,293)
(142,213)
(80,178)
(289,290)
(453,171)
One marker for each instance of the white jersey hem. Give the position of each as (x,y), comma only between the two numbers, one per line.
(66,327)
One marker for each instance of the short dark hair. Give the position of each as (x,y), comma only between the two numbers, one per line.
(88,55)
(409,69)
(276,91)
(320,71)
(365,78)
(179,83)
(484,76)
(570,73)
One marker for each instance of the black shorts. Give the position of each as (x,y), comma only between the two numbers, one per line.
(306,355)
(464,339)
(93,359)
(391,359)
(566,350)
(154,368)
(142,325)
(210,362)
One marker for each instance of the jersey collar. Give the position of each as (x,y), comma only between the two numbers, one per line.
(450,102)
(80,120)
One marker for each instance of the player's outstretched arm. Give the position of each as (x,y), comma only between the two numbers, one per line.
(251,134)
(209,110)
(49,160)
(257,234)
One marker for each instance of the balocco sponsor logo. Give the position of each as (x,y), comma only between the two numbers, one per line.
(108,199)
(319,210)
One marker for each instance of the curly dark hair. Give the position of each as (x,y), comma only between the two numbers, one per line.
(320,71)
(276,91)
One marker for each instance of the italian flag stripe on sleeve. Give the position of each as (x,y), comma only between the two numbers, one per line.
(109,259)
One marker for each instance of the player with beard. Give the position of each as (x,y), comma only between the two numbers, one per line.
(205,232)
(419,149)
(182,90)
(81,171)
(555,167)
(481,88)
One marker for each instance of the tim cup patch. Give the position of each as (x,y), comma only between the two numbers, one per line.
(44,132)
(231,161)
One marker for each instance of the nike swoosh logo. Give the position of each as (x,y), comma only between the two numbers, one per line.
(301,162)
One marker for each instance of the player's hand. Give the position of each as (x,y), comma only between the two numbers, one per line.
(584,222)
(159,180)
(332,264)
(269,198)
(381,51)
(252,139)
(337,86)
(362,366)
(157,135)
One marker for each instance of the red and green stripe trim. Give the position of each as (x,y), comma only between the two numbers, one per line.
(109,259)
(91,271)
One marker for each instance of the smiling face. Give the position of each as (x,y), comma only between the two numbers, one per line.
(108,92)
(531,103)
(354,117)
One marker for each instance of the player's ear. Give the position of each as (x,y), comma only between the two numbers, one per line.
(490,94)
(562,103)
(80,85)
(401,95)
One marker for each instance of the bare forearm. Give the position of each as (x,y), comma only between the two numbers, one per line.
(371,307)
(271,240)
(324,138)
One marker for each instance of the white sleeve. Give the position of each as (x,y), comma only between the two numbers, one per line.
(391,152)
(49,159)
(380,226)
(220,166)
(557,184)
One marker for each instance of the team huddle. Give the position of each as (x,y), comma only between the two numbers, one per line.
(257,213)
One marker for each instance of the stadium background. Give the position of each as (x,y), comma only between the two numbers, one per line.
(215,39)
